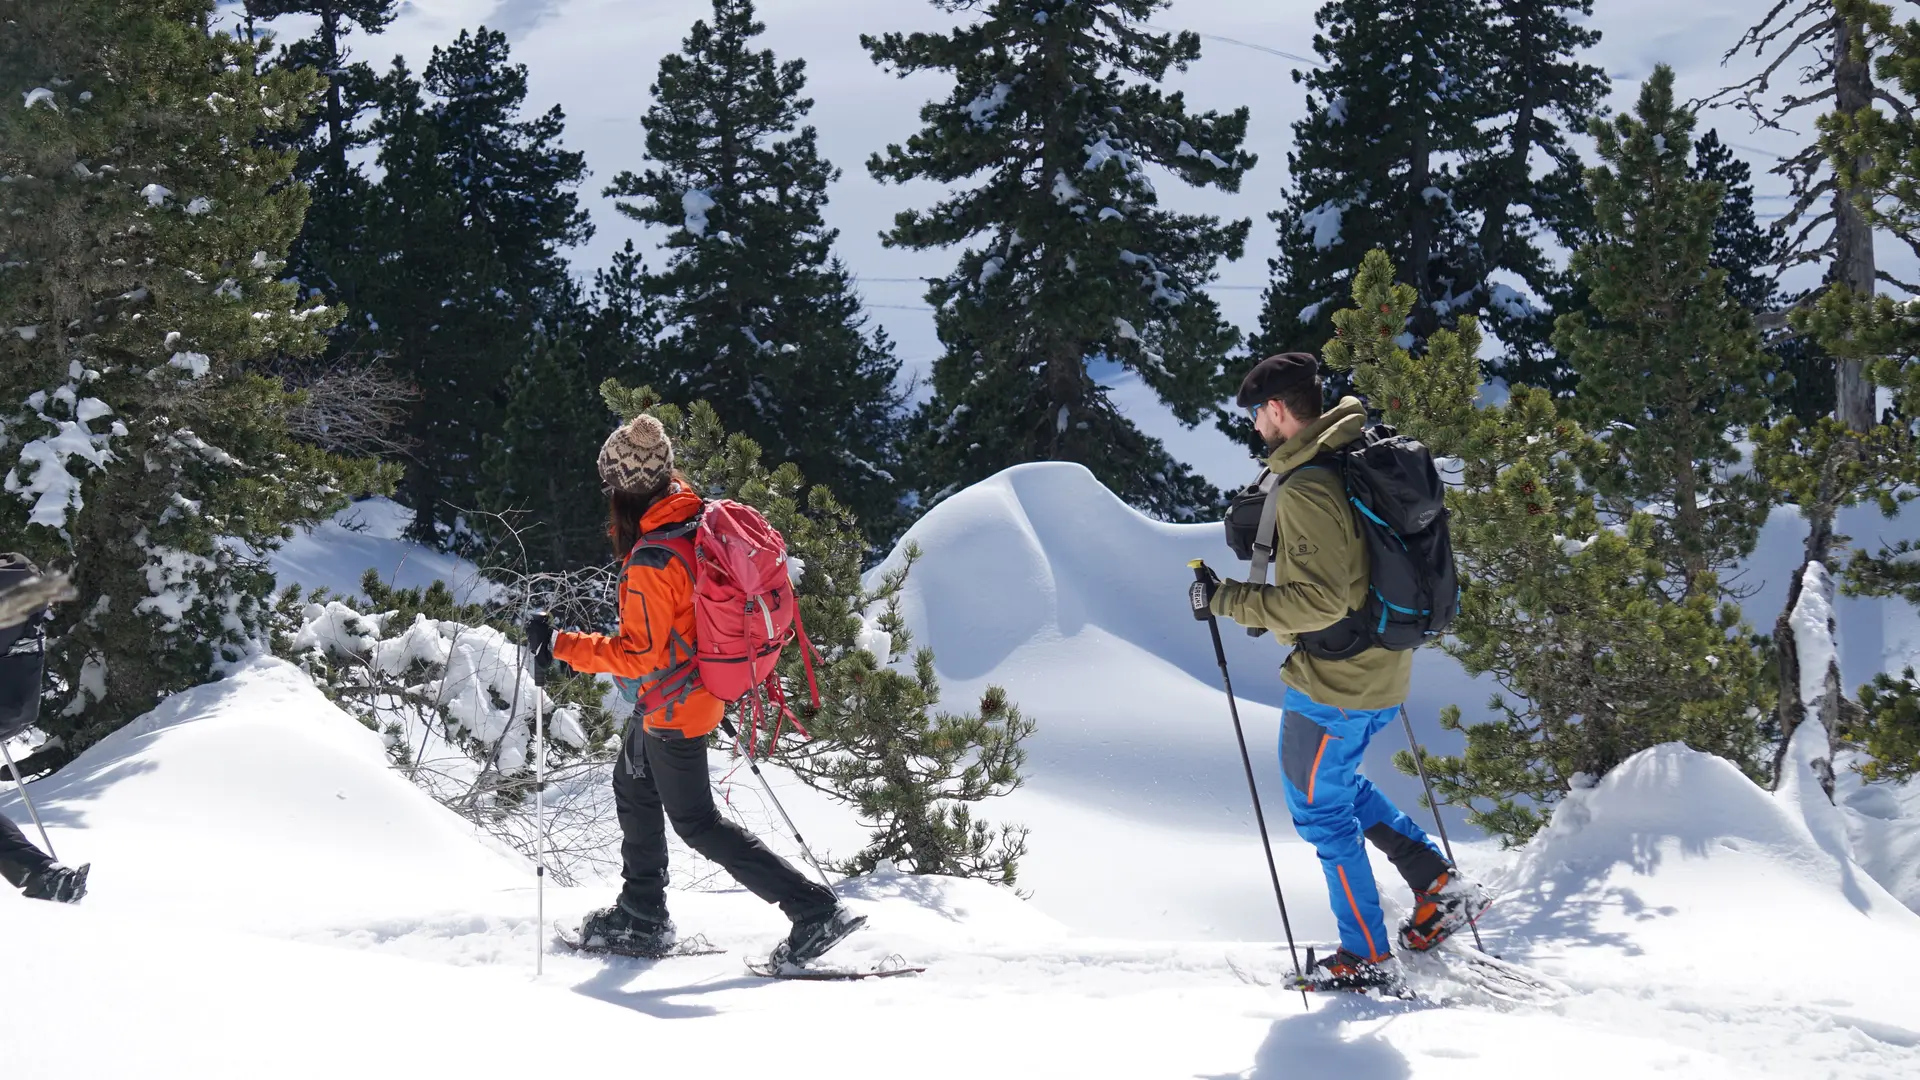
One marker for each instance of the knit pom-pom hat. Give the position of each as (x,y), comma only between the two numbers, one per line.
(637,457)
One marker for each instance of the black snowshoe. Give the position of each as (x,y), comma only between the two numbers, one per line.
(60,884)
(618,930)
(812,937)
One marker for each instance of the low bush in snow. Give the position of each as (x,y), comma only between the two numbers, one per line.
(451,689)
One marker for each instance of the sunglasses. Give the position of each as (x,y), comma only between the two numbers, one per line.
(1253,411)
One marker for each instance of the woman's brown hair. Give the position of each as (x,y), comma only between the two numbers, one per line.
(626,508)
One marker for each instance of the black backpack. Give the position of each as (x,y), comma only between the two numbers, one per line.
(1400,512)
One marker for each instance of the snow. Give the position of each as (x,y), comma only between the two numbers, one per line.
(981,110)
(695,205)
(1323,222)
(1812,623)
(349,886)
(1511,301)
(366,535)
(40,95)
(156,195)
(193,363)
(200,205)
(340,884)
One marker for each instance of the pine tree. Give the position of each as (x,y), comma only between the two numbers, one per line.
(325,257)
(1594,659)
(625,321)
(760,318)
(1540,93)
(1864,163)
(1748,253)
(1054,123)
(879,742)
(1420,139)
(142,231)
(1828,43)
(472,212)
(1670,367)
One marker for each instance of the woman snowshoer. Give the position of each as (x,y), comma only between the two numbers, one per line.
(661,775)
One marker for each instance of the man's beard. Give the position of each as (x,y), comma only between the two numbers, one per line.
(1274,442)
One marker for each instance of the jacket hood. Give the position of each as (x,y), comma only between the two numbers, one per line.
(672,508)
(1336,428)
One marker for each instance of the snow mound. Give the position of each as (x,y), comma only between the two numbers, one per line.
(254,802)
(1675,870)
(368,535)
(1040,580)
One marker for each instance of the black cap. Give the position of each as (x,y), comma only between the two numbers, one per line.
(1276,375)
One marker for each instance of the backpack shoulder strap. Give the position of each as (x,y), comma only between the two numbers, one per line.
(1264,541)
(675,542)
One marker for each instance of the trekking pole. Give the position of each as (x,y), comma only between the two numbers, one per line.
(539,817)
(31,812)
(1197,594)
(1434,805)
(734,734)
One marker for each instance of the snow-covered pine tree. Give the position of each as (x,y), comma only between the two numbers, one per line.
(1748,252)
(471,214)
(143,226)
(1421,139)
(1594,659)
(879,742)
(760,318)
(1046,143)
(1670,368)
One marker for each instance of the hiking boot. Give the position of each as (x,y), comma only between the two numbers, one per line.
(813,936)
(1451,902)
(57,883)
(619,930)
(1346,971)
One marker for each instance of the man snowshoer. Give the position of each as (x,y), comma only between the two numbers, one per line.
(24,595)
(1332,708)
(661,775)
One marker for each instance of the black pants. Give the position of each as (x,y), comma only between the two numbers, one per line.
(18,857)
(659,780)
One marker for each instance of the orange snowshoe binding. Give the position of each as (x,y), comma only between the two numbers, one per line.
(1453,901)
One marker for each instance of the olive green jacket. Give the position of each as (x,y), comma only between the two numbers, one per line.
(1320,574)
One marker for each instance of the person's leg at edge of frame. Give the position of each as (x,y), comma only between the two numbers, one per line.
(19,858)
(1320,754)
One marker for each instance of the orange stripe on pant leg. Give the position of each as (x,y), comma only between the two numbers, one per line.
(1314,776)
(1373,951)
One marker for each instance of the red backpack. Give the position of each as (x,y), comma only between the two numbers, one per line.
(744,613)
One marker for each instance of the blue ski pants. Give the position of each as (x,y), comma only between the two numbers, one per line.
(1334,808)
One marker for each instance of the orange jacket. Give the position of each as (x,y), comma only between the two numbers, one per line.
(656,628)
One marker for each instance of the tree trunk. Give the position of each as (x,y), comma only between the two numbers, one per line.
(1420,240)
(1853,249)
(336,121)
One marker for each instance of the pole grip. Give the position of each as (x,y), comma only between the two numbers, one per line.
(1197,592)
